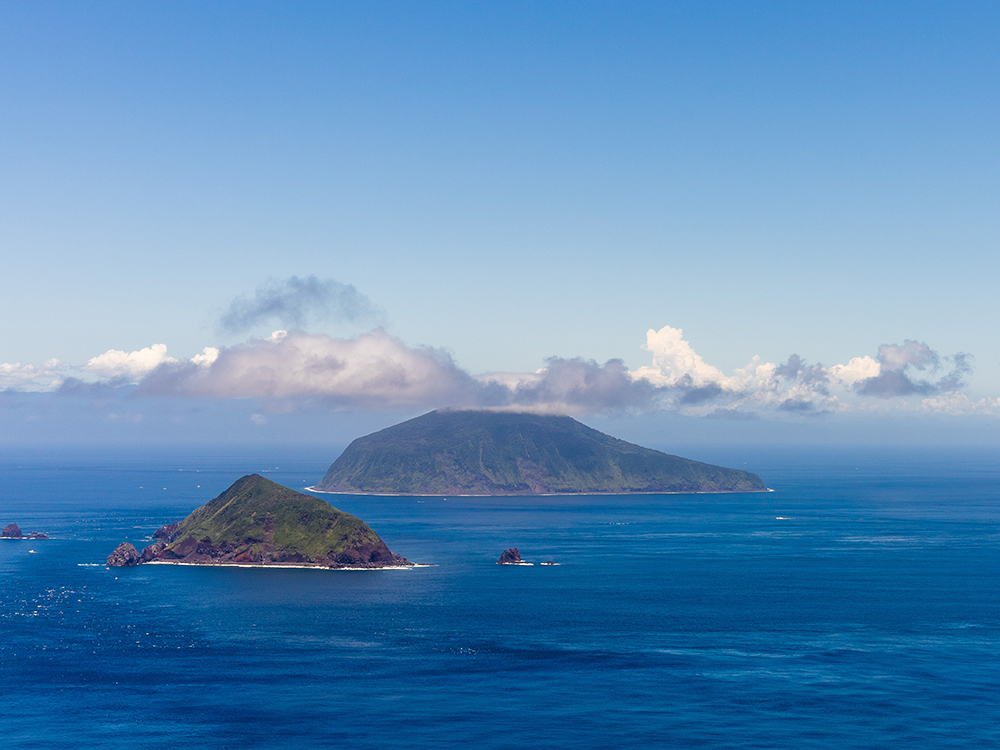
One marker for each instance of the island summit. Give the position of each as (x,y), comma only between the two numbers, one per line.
(505,453)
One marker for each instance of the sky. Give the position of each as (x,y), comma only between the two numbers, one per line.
(686,221)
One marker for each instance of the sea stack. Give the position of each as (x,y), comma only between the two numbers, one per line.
(510,557)
(125,555)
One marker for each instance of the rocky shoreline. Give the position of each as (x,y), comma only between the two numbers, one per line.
(204,552)
(11,531)
(307,566)
(257,522)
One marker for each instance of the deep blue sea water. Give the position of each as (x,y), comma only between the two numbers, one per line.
(856,606)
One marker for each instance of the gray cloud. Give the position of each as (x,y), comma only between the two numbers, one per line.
(796,369)
(295,302)
(897,365)
(797,406)
(582,385)
(378,371)
(893,383)
(691,395)
(102,388)
(300,372)
(897,357)
(962,366)
(374,370)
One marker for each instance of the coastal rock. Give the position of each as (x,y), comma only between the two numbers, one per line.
(11,531)
(123,556)
(167,533)
(510,557)
(150,552)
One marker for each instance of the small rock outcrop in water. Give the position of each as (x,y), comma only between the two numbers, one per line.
(11,531)
(124,556)
(258,522)
(510,557)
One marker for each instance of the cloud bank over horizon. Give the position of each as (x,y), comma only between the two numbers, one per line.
(374,371)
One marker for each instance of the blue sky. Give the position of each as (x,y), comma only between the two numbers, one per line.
(504,183)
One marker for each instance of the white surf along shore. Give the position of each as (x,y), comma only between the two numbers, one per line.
(283,565)
(537,494)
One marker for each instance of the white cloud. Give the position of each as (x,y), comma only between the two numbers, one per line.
(674,360)
(377,371)
(374,369)
(208,355)
(795,387)
(960,404)
(896,357)
(856,370)
(131,366)
(17,376)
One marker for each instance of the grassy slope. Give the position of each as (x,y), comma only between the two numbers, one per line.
(501,453)
(302,524)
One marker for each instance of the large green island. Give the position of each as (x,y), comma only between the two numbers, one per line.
(505,453)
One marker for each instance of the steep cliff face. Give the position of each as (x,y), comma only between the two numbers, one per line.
(500,453)
(256,521)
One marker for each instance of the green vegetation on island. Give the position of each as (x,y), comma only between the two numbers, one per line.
(504,453)
(257,521)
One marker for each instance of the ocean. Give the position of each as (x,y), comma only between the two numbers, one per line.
(855,606)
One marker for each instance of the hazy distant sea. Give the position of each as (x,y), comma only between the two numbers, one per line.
(857,606)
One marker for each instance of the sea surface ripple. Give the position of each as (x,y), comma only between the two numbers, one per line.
(856,606)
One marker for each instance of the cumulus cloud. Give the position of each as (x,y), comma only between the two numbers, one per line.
(294,370)
(689,384)
(17,376)
(898,365)
(208,355)
(857,369)
(572,386)
(115,364)
(795,369)
(376,371)
(295,302)
(686,383)
(116,368)
(370,371)
(674,361)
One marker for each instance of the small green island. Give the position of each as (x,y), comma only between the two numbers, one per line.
(504,453)
(259,522)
